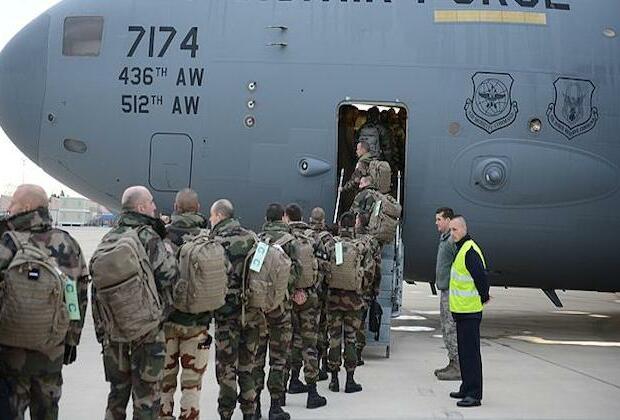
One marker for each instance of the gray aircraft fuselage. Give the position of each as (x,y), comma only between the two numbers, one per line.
(240,99)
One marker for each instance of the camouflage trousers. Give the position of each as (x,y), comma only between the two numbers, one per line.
(322,343)
(135,370)
(235,352)
(360,335)
(41,393)
(277,333)
(305,320)
(343,323)
(190,346)
(448,326)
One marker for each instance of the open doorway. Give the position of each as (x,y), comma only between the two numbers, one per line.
(384,125)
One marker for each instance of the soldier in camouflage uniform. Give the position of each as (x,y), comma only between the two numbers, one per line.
(365,199)
(372,280)
(236,338)
(306,314)
(187,337)
(278,325)
(397,137)
(29,378)
(136,369)
(322,235)
(361,169)
(343,308)
(376,135)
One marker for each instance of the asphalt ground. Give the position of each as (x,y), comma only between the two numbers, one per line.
(539,362)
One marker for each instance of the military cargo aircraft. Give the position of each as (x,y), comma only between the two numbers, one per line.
(513,113)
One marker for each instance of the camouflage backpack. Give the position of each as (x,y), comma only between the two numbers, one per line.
(370,134)
(126,294)
(381,174)
(384,218)
(268,274)
(308,259)
(203,280)
(33,314)
(349,274)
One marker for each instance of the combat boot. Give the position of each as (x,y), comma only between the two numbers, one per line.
(360,361)
(276,412)
(314,399)
(334,385)
(323,370)
(452,372)
(296,386)
(351,385)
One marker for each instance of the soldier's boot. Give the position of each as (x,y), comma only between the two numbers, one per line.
(360,361)
(452,373)
(296,386)
(276,412)
(334,385)
(323,370)
(351,385)
(314,399)
(443,369)
(258,414)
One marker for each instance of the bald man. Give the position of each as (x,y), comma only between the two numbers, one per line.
(236,344)
(326,239)
(135,369)
(365,199)
(33,378)
(187,337)
(469,291)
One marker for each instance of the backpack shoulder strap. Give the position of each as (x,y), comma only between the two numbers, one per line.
(286,238)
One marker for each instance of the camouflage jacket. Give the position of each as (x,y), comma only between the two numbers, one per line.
(163,262)
(182,225)
(364,201)
(67,253)
(361,170)
(372,272)
(383,143)
(274,231)
(238,242)
(346,300)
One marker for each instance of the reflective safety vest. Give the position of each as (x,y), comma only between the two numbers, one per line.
(464,297)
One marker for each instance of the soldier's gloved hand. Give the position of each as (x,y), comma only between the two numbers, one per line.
(70,354)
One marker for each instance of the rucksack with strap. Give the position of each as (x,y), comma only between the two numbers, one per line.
(307,258)
(384,217)
(203,275)
(126,293)
(370,134)
(268,274)
(349,274)
(33,314)
(381,174)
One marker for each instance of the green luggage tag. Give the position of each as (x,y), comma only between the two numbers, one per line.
(71,300)
(259,257)
(377,208)
(339,258)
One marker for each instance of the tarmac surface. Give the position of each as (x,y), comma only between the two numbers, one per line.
(539,362)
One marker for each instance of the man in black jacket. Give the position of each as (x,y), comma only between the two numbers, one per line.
(469,291)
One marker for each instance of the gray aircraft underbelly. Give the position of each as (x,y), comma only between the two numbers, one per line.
(252,116)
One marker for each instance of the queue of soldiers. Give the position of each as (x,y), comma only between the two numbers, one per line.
(294,288)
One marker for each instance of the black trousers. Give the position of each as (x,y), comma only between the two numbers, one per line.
(468,339)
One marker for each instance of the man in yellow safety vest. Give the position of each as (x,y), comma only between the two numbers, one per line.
(469,291)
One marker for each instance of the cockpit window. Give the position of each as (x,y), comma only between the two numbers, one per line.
(82,36)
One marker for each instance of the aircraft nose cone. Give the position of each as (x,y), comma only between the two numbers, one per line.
(23,71)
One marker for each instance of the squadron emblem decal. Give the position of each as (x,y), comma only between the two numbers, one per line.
(572,113)
(491,106)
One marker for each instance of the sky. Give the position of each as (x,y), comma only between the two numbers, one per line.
(15,167)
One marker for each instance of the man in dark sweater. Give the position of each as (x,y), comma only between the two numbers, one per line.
(469,291)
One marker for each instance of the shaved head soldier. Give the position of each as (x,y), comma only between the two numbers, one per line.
(134,344)
(187,337)
(30,369)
